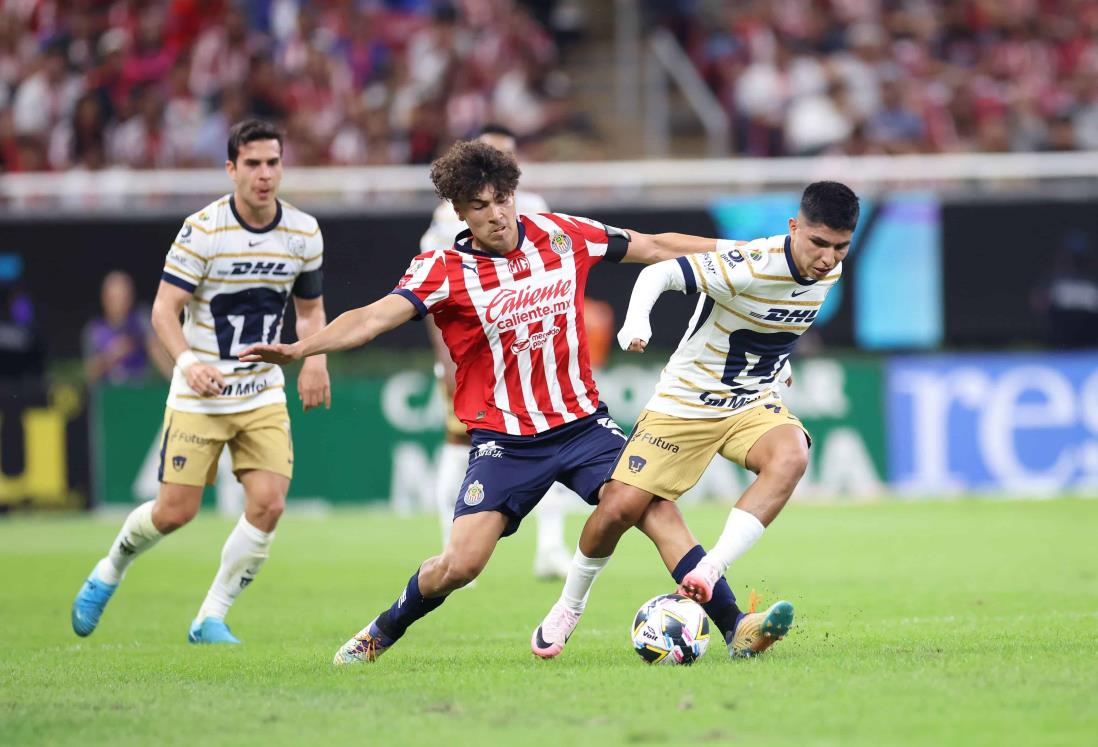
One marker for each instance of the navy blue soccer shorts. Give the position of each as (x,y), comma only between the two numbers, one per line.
(510,474)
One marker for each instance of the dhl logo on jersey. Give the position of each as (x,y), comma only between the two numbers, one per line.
(277,269)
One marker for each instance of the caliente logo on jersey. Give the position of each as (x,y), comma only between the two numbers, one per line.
(511,307)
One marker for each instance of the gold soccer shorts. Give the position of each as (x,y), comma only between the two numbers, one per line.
(191,443)
(667,454)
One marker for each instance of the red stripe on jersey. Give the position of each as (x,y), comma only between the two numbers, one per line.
(584,231)
(486,271)
(564,379)
(475,381)
(549,258)
(584,355)
(539,382)
(512,379)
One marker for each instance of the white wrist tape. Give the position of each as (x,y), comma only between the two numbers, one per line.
(185,360)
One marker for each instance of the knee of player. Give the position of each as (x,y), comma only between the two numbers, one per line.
(459,571)
(788,465)
(619,508)
(270,504)
(167,519)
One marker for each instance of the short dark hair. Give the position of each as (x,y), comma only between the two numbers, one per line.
(469,166)
(494,128)
(831,204)
(250,130)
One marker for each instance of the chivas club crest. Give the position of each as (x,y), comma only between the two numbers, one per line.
(561,243)
(474,494)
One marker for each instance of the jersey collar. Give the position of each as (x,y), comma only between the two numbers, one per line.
(464,243)
(269,227)
(792,265)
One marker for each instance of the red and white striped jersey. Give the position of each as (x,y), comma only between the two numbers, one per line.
(513,323)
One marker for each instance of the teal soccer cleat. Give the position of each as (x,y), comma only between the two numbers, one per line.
(211,630)
(89,604)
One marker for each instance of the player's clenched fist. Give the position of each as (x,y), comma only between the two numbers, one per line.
(634,335)
(204,380)
(280,353)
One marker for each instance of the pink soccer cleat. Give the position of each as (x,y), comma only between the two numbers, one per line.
(555,630)
(698,584)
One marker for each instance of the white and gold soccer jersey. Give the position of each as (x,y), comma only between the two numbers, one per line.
(241,278)
(753,308)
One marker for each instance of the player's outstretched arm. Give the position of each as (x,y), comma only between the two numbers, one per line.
(348,330)
(653,281)
(649,248)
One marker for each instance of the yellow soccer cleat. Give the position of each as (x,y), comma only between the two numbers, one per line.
(758,631)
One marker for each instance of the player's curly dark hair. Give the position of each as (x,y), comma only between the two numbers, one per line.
(831,204)
(470,166)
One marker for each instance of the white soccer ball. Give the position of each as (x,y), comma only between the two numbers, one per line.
(670,629)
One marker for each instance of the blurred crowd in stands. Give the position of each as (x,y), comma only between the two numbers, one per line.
(156,83)
(802,77)
(86,84)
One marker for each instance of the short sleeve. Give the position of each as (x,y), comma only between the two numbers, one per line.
(314,252)
(720,274)
(601,241)
(425,283)
(185,265)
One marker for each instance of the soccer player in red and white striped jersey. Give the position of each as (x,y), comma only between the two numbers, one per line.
(508,298)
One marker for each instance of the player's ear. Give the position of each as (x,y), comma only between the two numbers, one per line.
(230,168)
(792,226)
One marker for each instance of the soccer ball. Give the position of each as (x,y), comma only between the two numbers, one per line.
(670,629)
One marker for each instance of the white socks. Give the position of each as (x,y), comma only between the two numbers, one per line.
(137,535)
(549,516)
(581,576)
(741,531)
(452,463)
(243,555)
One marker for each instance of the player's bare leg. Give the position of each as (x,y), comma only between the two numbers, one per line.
(472,541)
(779,458)
(622,506)
(174,506)
(244,553)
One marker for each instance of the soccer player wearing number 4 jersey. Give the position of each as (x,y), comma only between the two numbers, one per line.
(718,395)
(508,297)
(229,272)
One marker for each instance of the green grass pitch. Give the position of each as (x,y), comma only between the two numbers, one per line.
(938,623)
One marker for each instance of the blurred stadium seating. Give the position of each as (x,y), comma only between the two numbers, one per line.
(156,84)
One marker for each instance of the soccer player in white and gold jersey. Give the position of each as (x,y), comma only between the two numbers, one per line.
(719,395)
(229,273)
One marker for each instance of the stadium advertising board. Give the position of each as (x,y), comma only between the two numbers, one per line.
(1013,423)
(380,440)
(43,447)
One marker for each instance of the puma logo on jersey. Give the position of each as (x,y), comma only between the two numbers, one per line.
(260,268)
